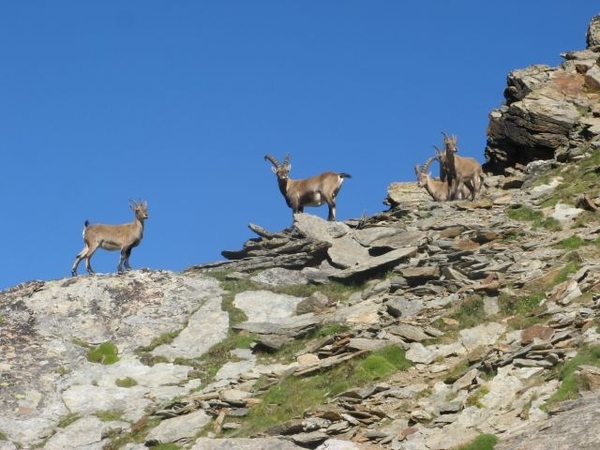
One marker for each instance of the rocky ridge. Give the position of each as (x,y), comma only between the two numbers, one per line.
(413,265)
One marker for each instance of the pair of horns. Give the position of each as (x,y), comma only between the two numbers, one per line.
(276,163)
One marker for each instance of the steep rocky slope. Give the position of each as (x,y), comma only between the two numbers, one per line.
(487,300)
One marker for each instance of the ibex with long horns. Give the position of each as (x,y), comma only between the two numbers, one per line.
(313,191)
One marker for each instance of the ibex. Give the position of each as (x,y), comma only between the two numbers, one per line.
(459,170)
(438,189)
(122,237)
(313,191)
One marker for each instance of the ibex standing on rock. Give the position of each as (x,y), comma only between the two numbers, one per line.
(113,237)
(313,191)
(459,170)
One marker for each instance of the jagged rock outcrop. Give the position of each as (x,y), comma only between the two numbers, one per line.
(550,112)
(593,33)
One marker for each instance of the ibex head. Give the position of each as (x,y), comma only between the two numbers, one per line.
(450,143)
(421,172)
(140,209)
(281,170)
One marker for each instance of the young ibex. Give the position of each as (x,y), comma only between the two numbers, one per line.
(459,170)
(313,191)
(122,237)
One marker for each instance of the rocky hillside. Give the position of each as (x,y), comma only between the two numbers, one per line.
(427,326)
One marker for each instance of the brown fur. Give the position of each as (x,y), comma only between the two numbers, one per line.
(122,237)
(460,171)
(313,191)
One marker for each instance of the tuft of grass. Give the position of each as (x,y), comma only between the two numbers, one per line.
(536,217)
(571,382)
(144,352)
(209,364)
(525,214)
(571,243)
(105,353)
(551,224)
(524,310)
(126,382)
(475,398)
(67,420)
(482,442)
(109,416)
(292,396)
(470,313)
(521,310)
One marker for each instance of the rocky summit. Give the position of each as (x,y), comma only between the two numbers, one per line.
(488,308)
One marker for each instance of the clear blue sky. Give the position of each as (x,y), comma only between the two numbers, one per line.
(177,103)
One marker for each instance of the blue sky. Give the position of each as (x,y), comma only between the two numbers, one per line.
(178,102)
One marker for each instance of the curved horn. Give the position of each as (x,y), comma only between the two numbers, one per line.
(272,159)
(428,163)
(286,160)
(438,151)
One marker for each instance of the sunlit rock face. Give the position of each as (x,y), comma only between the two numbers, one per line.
(549,112)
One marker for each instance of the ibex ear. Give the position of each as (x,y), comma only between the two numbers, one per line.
(289,167)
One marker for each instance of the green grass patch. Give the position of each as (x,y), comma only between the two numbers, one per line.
(292,396)
(571,243)
(467,313)
(566,272)
(105,353)
(109,416)
(470,312)
(67,420)
(207,366)
(551,224)
(475,398)
(126,382)
(145,352)
(571,382)
(380,364)
(482,442)
(536,217)
(525,214)
(522,310)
